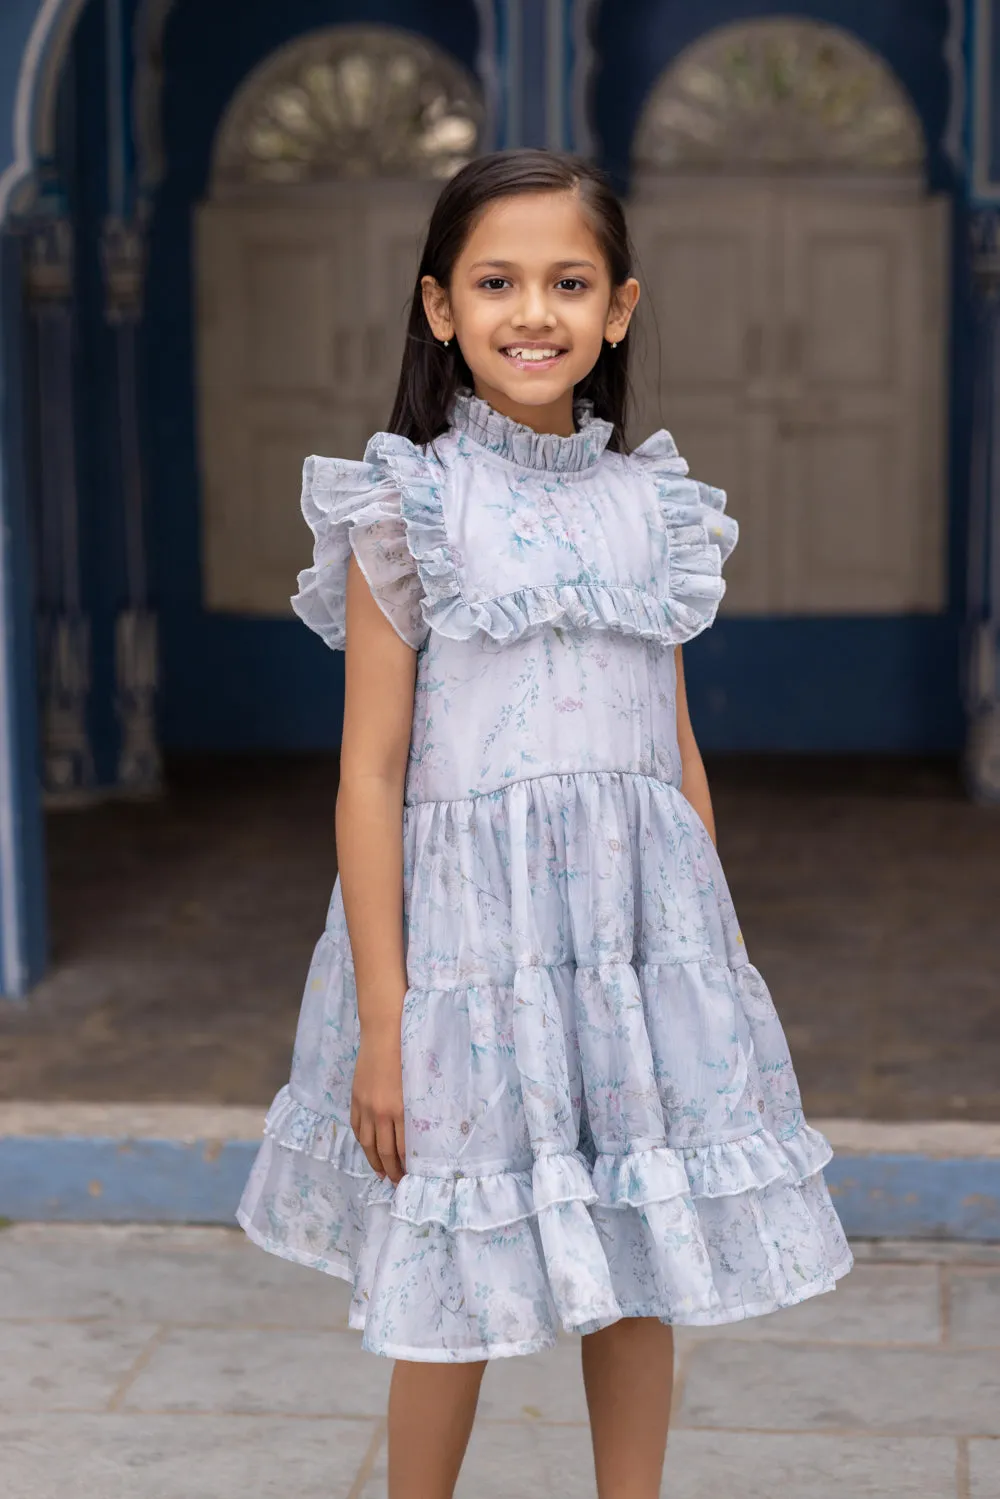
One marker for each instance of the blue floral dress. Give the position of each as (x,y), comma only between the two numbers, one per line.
(602,1119)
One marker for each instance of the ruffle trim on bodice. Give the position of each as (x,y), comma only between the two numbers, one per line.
(525,447)
(700,537)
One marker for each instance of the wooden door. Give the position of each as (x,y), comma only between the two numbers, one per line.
(299,336)
(794,343)
(859,502)
(702,357)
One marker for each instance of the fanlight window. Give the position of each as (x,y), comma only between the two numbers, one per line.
(773,95)
(351,102)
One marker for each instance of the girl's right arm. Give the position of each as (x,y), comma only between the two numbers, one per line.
(379,677)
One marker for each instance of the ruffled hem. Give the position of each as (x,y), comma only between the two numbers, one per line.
(700,1236)
(629,1179)
(700,537)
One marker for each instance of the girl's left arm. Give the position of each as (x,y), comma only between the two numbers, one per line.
(694,781)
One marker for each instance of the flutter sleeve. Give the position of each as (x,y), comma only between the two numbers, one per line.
(355,507)
(699,533)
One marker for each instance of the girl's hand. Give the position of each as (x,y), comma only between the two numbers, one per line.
(377,1102)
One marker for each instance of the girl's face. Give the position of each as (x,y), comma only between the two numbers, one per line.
(530,304)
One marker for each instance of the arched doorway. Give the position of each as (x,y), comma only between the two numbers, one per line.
(325,168)
(796,272)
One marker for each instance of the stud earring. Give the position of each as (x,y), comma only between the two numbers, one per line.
(445,342)
(615,344)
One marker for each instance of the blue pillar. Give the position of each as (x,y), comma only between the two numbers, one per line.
(22,883)
(982,635)
(536,60)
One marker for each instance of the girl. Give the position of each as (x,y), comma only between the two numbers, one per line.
(536,1081)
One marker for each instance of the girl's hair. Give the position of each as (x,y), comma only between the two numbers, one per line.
(431,374)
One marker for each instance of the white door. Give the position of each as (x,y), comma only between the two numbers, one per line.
(860,497)
(300,331)
(701,349)
(802,340)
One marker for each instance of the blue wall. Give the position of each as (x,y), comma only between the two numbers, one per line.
(840,684)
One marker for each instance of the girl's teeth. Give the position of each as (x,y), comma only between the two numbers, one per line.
(534,354)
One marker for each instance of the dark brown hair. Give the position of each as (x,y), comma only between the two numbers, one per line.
(432,374)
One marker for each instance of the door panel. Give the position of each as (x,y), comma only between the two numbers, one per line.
(300,328)
(854,417)
(795,347)
(703,364)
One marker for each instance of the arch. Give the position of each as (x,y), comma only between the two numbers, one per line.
(34,101)
(350,102)
(779,94)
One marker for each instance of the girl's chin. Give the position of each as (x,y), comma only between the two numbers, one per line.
(534,386)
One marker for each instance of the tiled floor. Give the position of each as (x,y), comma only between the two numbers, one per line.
(159,1363)
(868,893)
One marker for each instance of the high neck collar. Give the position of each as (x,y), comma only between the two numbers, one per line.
(529,449)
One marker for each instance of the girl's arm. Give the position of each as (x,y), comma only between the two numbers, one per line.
(379,675)
(694,781)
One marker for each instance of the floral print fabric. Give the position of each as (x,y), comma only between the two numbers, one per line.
(602,1117)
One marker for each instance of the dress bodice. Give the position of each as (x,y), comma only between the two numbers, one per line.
(544,581)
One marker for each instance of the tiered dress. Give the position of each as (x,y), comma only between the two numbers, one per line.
(601,1115)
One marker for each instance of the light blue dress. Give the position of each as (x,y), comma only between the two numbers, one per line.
(602,1119)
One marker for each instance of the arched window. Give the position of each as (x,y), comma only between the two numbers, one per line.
(350,102)
(778,95)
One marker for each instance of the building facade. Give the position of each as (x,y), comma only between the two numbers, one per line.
(209,218)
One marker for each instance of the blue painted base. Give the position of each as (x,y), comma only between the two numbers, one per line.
(95,1180)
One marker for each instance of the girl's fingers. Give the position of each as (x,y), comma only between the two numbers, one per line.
(385,1137)
(365,1133)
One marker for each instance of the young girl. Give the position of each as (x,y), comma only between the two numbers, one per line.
(536,1082)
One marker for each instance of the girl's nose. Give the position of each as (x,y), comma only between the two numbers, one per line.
(534,310)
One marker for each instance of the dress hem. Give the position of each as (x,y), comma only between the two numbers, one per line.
(341,1269)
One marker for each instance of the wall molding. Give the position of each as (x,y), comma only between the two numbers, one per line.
(985,190)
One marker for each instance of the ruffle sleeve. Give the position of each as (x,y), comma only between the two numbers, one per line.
(700,534)
(356,507)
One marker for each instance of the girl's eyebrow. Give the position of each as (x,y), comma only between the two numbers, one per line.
(509,265)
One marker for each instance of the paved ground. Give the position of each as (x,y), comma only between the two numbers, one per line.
(185,1364)
(867,892)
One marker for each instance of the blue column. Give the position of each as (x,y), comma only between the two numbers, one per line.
(123,258)
(23,937)
(982,634)
(536,61)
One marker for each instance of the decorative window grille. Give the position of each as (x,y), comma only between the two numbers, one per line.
(351,102)
(779,95)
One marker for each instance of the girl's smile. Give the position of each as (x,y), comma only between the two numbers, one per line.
(528,356)
(531,303)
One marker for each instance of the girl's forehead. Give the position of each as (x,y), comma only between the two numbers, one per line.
(533,225)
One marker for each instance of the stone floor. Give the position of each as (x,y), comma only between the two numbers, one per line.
(180,1363)
(868,893)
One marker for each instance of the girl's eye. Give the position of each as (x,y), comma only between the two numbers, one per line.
(571,283)
(494,283)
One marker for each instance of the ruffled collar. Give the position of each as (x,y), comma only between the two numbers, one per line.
(529,449)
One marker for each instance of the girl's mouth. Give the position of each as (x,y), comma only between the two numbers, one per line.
(532,356)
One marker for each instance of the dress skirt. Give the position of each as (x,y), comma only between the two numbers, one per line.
(601,1115)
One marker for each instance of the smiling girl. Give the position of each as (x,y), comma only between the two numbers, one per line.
(536,1082)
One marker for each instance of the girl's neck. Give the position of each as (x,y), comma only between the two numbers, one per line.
(555,418)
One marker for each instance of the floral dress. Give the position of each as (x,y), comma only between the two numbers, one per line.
(601,1115)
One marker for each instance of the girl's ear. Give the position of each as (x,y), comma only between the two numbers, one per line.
(437,307)
(623,304)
